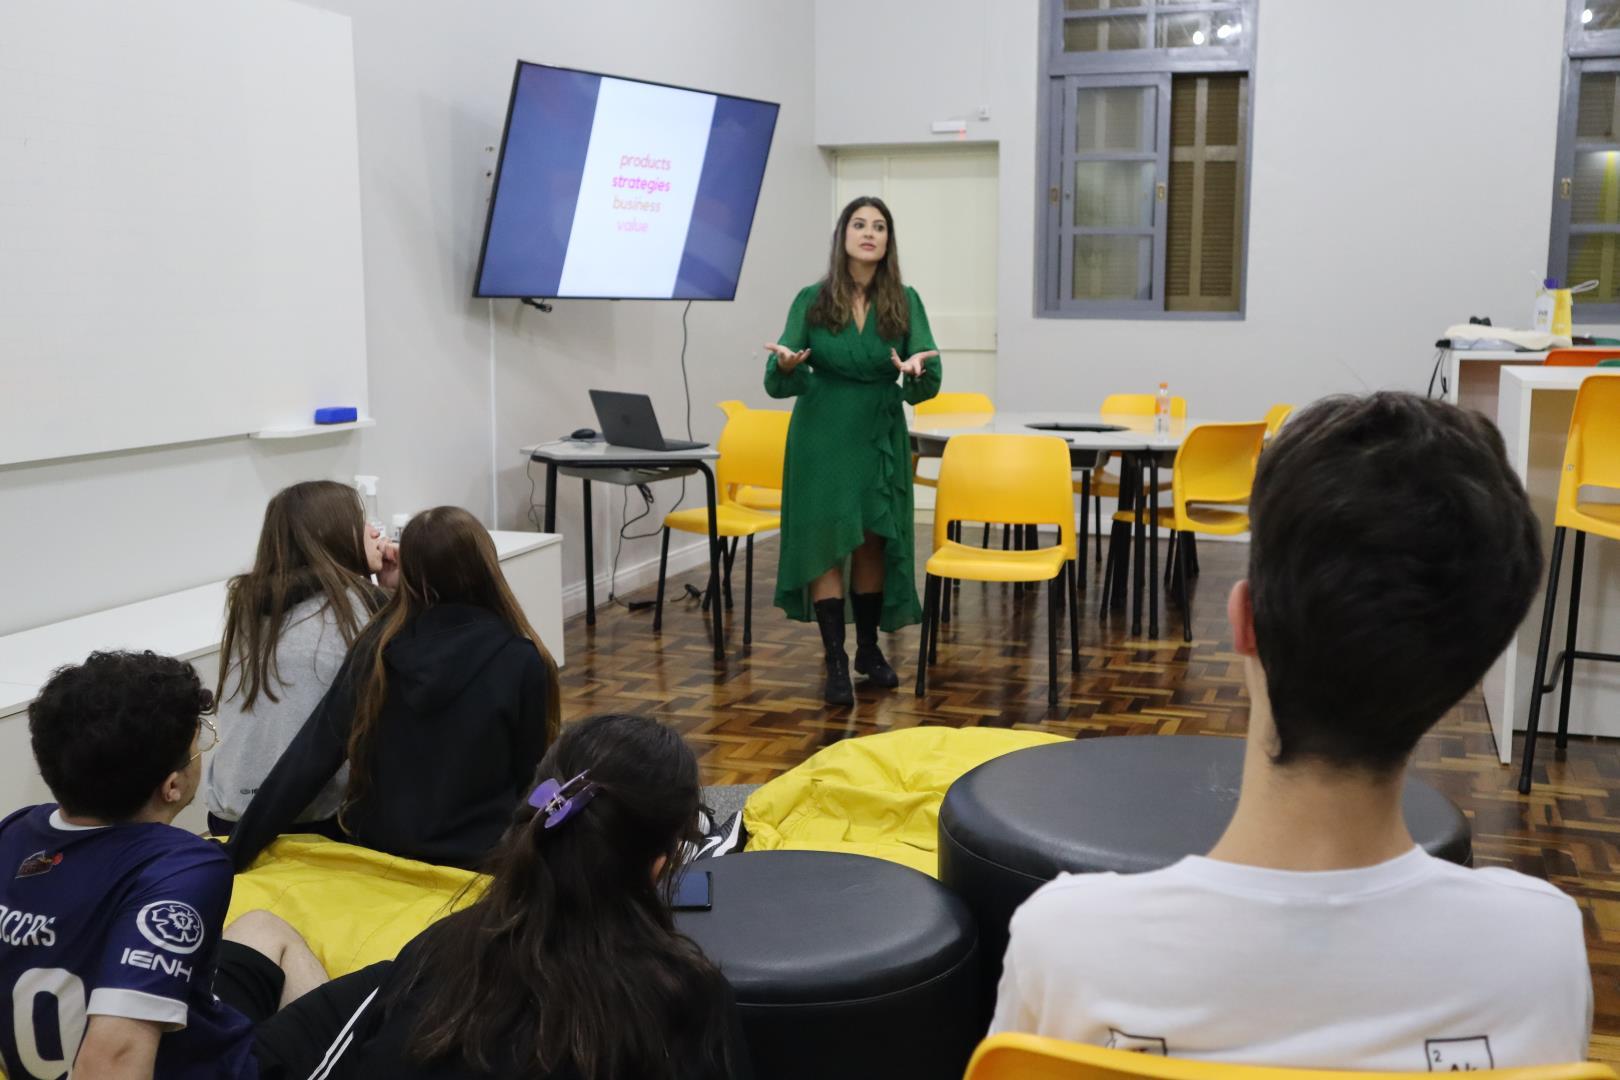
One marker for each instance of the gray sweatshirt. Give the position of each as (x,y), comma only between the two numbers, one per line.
(308,656)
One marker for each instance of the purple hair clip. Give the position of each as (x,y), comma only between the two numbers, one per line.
(559,802)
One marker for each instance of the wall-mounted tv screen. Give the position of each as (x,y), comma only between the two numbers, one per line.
(611,188)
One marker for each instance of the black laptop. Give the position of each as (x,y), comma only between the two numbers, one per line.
(629,420)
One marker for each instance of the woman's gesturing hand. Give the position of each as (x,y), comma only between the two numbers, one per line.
(786,358)
(913,364)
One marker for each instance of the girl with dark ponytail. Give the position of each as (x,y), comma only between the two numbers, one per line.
(568,966)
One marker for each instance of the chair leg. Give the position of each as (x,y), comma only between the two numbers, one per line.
(730,557)
(1186,605)
(1107,578)
(1097,523)
(1006,534)
(1085,515)
(1533,723)
(1074,612)
(930,598)
(986,542)
(663,568)
(1562,739)
(1192,553)
(945,602)
(1054,591)
(748,594)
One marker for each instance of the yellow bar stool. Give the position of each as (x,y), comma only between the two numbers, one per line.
(751,447)
(1214,469)
(1591,460)
(1015,1056)
(1018,479)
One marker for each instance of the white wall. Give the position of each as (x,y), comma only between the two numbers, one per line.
(432,82)
(1401,181)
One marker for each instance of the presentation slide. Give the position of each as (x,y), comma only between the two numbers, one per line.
(615,188)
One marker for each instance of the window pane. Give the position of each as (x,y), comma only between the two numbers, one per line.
(1204,28)
(1113,267)
(1595,198)
(1594,113)
(1117,118)
(1592,257)
(1600,15)
(1114,194)
(1106,34)
(1104,5)
(1204,218)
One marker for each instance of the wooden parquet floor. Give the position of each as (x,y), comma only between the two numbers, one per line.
(757,715)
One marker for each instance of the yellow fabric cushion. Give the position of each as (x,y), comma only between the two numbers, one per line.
(877,795)
(353,905)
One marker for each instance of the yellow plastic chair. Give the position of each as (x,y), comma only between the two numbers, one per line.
(1022,480)
(1591,460)
(963,402)
(755,498)
(751,450)
(1031,1057)
(1102,482)
(1214,468)
(1276,417)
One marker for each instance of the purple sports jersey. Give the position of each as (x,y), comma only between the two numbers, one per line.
(117,921)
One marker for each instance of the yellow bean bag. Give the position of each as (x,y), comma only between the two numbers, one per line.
(353,905)
(876,795)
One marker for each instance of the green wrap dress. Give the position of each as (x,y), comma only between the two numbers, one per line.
(848,466)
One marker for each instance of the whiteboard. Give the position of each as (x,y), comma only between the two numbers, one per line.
(179,222)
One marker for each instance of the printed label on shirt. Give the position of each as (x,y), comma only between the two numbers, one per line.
(19,928)
(151,961)
(1459,1055)
(1136,1044)
(171,925)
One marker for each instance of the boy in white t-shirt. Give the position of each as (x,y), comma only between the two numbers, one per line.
(1394,552)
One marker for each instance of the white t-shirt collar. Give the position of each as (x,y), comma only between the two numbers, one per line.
(1403,869)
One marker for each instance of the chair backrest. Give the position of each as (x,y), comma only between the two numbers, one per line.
(1030,1057)
(1141,405)
(1592,452)
(1017,479)
(961,401)
(1216,463)
(1578,357)
(752,447)
(1276,416)
(731,408)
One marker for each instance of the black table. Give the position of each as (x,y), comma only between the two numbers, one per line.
(596,460)
(844,966)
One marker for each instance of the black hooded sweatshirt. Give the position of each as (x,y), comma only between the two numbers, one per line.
(461,730)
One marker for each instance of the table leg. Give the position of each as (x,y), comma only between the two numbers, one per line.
(551,496)
(1138,544)
(590,560)
(1085,517)
(1153,546)
(716,605)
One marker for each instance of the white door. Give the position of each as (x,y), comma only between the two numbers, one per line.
(944,205)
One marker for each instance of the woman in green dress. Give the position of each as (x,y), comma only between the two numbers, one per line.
(857,344)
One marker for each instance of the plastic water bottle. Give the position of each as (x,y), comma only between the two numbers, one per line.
(1161,411)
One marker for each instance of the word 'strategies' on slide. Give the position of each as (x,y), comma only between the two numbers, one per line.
(624,189)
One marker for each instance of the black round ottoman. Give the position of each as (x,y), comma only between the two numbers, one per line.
(843,965)
(1123,803)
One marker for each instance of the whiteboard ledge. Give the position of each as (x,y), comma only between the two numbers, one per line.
(309,430)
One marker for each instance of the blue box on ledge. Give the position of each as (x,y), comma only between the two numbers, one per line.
(343,414)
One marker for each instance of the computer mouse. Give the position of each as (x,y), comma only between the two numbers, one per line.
(583,433)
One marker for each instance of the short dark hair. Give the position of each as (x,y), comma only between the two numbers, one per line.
(106,732)
(1393,555)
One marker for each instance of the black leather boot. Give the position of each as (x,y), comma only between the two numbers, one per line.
(830,617)
(869,659)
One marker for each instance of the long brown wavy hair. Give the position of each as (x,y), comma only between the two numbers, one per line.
(886,295)
(445,557)
(313,542)
(571,956)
